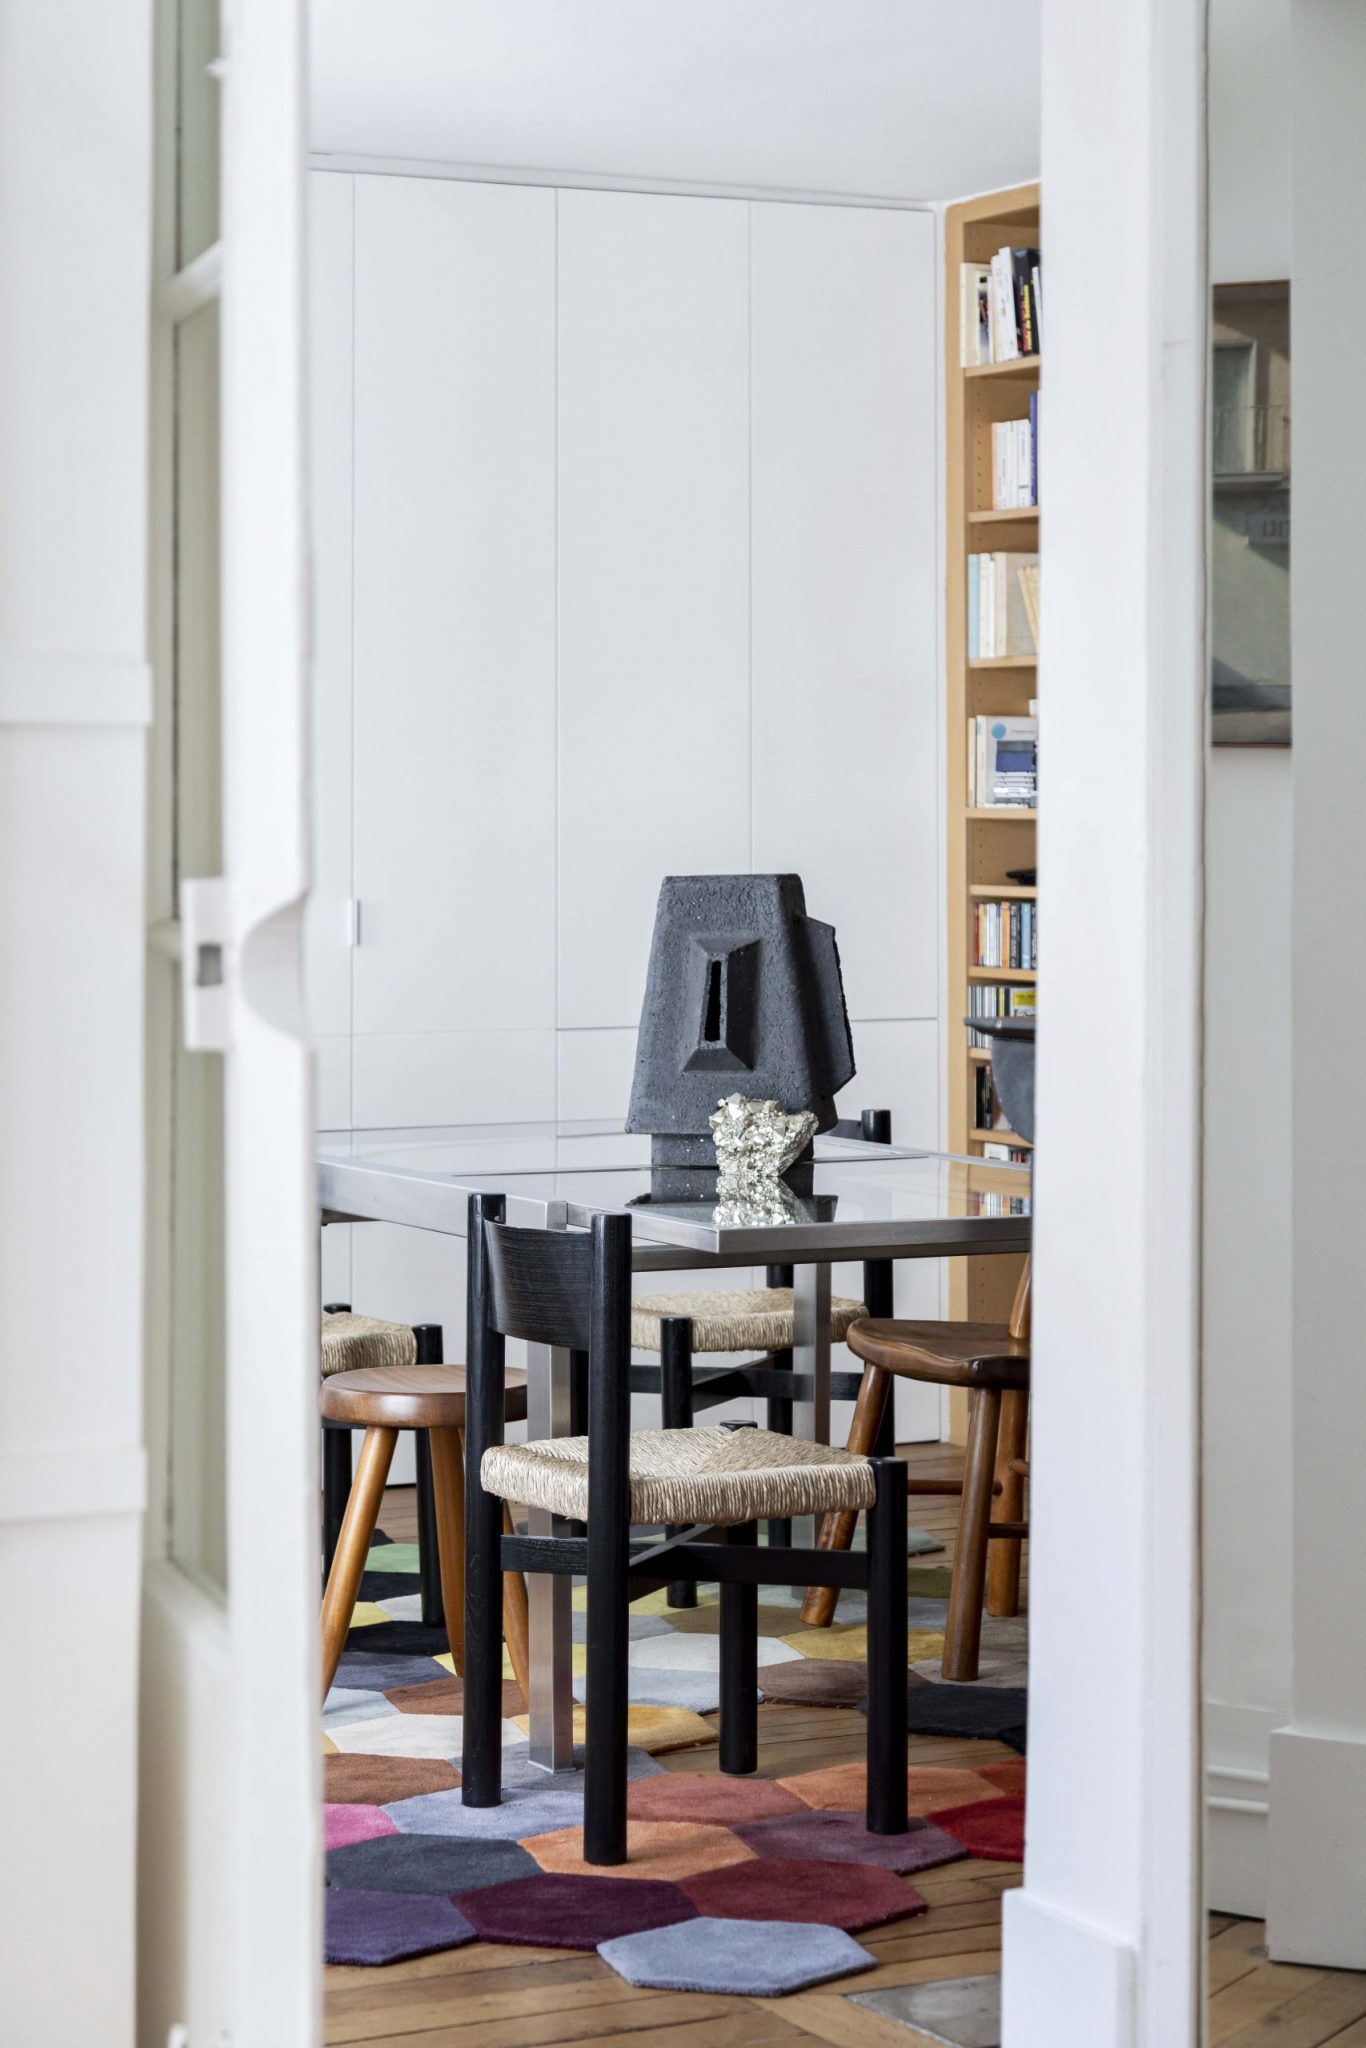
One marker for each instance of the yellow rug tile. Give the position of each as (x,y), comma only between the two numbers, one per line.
(652,1728)
(329,1747)
(650,1603)
(852,1643)
(365,1614)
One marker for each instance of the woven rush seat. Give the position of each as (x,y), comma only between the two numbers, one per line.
(716,1477)
(734,1319)
(360,1343)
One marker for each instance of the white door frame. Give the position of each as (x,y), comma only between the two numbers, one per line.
(230,1879)
(1102,1944)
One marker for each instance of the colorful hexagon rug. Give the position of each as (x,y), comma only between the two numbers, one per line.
(735,1884)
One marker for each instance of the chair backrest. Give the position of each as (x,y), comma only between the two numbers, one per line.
(1020,1313)
(566,1288)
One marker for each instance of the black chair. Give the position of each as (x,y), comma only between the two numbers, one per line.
(573,1289)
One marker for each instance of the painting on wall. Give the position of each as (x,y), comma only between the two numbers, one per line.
(1250,525)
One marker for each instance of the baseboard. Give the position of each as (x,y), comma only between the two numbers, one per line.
(1065,1983)
(1316,1886)
(1237,1794)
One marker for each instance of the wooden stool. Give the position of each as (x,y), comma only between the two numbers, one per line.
(382,1400)
(990,1360)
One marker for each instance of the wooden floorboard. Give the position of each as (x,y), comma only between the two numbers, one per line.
(487,1996)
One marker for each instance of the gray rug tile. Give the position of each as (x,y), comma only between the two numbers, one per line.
(750,1958)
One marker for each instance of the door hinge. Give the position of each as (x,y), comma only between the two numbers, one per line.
(206,963)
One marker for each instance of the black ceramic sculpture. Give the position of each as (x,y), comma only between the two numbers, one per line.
(743,995)
(1012,1067)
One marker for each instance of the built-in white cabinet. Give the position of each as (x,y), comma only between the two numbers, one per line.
(844,635)
(654,529)
(626,565)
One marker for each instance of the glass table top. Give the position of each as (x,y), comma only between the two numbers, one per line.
(856,1195)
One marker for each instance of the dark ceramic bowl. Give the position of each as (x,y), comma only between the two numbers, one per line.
(1012,1067)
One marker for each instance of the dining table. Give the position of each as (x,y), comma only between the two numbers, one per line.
(858,1200)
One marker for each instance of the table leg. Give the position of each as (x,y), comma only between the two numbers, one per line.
(551,1704)
(811,1351)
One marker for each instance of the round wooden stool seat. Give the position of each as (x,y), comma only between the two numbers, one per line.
(951,1354)
(409,1397)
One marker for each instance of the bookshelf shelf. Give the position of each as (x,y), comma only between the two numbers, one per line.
(1010,518)
(983,843)
(1019,366)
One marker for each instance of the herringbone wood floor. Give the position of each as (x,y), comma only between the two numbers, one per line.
(493,1997)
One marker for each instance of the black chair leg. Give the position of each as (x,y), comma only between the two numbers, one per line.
(887,1738)
(675,1386)
(429,1352)
(740,1667)
(609,1558)
(336,1489)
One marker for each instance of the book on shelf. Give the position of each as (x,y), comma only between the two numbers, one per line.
(1006,935)
(996,999)
(1000,307)
(1007,1155)
(1003,763)
(1003,605)
(1015,461)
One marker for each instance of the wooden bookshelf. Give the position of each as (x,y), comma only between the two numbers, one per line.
(982,844)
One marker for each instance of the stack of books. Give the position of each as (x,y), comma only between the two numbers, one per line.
(1015,461)
(1001,307)
(1003,763)
(996,999)
(1013,1155)
(1003,606)
(1005,935)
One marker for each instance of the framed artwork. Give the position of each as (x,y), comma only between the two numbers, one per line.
(1250,516)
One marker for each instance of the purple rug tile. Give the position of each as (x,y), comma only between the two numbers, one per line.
(821,1836)
(382,1927)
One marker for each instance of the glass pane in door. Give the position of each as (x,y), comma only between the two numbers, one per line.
(197,47)
(198,1360)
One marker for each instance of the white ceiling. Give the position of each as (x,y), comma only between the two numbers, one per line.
(911,99)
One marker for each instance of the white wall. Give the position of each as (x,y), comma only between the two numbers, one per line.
(640,491)
(1247,1242)
(74,703)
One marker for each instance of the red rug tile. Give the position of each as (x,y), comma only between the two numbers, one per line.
(687,1795)
(559,1911)
(991,1827)
(1006,1777)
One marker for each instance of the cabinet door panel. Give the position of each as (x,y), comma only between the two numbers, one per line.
(654,574)
(846,747)
(454,605)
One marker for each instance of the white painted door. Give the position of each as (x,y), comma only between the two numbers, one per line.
(230,1945)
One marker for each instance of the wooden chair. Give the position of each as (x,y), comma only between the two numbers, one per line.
(990,1360)
(680,1327)
(431,1398)
(573,1289)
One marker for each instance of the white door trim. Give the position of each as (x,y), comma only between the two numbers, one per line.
(1101,1944)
